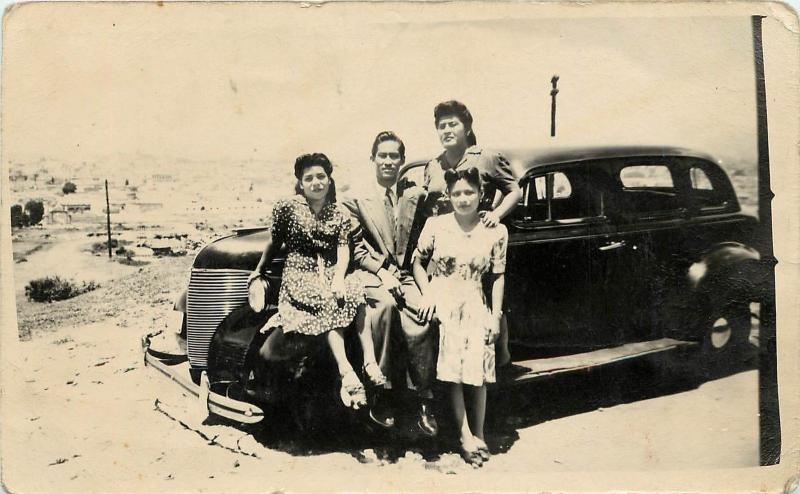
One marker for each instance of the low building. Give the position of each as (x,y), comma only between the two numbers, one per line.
(76,207)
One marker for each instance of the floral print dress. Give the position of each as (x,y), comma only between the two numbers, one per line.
(306,303)
(459,261)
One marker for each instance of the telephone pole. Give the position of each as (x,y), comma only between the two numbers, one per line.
(553,93)
(108,221)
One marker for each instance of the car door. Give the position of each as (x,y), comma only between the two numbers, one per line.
(651,215)
(554,276)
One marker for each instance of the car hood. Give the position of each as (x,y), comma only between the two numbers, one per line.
(240,251)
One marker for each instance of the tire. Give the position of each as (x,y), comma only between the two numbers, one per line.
(724,331)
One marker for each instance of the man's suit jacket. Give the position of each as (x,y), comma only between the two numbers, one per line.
(376,245)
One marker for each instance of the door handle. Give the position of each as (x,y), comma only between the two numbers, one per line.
(612,245)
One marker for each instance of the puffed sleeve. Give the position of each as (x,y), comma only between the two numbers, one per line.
(499,250)
(280,220)
(345,225)
(425,243)
(502,176)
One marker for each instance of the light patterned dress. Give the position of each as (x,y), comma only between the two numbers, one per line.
(306,303)
(458,263)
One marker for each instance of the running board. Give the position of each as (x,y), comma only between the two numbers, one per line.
(537,368)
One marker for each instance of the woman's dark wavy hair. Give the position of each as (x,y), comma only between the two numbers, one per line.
(471,175)
(457,109)
(314,159)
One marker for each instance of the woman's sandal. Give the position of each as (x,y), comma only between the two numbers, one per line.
(483,449)
(374,374)
(352,392)
(471,455)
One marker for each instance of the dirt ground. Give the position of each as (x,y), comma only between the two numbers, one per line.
(84,415)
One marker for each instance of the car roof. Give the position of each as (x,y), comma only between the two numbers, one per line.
(524,160)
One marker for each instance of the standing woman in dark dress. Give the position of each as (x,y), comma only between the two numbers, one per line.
(454,125)
(316,297)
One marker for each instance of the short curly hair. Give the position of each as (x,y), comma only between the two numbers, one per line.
(459,110)
(314,159)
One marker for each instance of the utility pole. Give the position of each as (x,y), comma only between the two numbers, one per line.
(108,221)
(553,93)
(768,405)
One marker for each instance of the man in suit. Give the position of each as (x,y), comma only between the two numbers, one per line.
(383,214)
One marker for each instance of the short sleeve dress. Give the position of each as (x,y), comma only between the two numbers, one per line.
(460,260)
(306,303)
(496,174)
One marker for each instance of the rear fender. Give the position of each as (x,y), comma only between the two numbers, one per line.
(729,272)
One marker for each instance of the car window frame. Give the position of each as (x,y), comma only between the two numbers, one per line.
(720,184)
(680,183)
(527,186)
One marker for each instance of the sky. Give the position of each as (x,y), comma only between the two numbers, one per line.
(118,84)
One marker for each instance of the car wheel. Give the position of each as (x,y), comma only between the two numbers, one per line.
(725,330)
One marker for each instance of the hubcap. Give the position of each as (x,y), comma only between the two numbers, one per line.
(720,333)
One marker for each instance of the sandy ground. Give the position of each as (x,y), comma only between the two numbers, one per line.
(84,415)
(85,418)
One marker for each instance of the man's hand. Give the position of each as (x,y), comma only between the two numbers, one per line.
(390,283)
(427,309)
(490,219)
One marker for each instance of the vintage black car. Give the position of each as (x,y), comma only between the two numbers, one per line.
(613,253)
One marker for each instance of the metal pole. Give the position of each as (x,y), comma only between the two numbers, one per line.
(553,93)
(108,221)
(768,407)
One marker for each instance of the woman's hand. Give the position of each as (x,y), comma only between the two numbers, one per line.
(338,288)
(255,274)
(490,219)
(493,331)
(427,309)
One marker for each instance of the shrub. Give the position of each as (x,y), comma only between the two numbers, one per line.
(69,188)
(53,288)
(102,247)
(35,211)
(18,217)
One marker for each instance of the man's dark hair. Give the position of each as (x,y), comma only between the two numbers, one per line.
(388,135)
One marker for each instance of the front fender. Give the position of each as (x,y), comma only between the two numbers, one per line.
(180,302)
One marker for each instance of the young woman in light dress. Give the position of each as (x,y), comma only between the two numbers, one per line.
(459,251)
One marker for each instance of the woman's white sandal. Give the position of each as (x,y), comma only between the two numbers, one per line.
(352,392)
(374,374)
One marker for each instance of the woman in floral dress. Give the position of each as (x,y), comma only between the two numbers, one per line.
(462,252)
(454,126)
(316,297)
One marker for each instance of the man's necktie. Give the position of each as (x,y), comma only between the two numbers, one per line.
(387,201)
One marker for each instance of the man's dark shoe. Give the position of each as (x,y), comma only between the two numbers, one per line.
(380,409)
(426,421)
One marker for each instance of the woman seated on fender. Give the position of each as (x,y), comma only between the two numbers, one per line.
(316,297)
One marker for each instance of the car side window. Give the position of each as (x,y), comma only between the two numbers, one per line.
(699,179)
(559,198)
(646,176)
(648,191)
(704,195)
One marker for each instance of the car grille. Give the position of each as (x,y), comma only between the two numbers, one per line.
(212,295)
